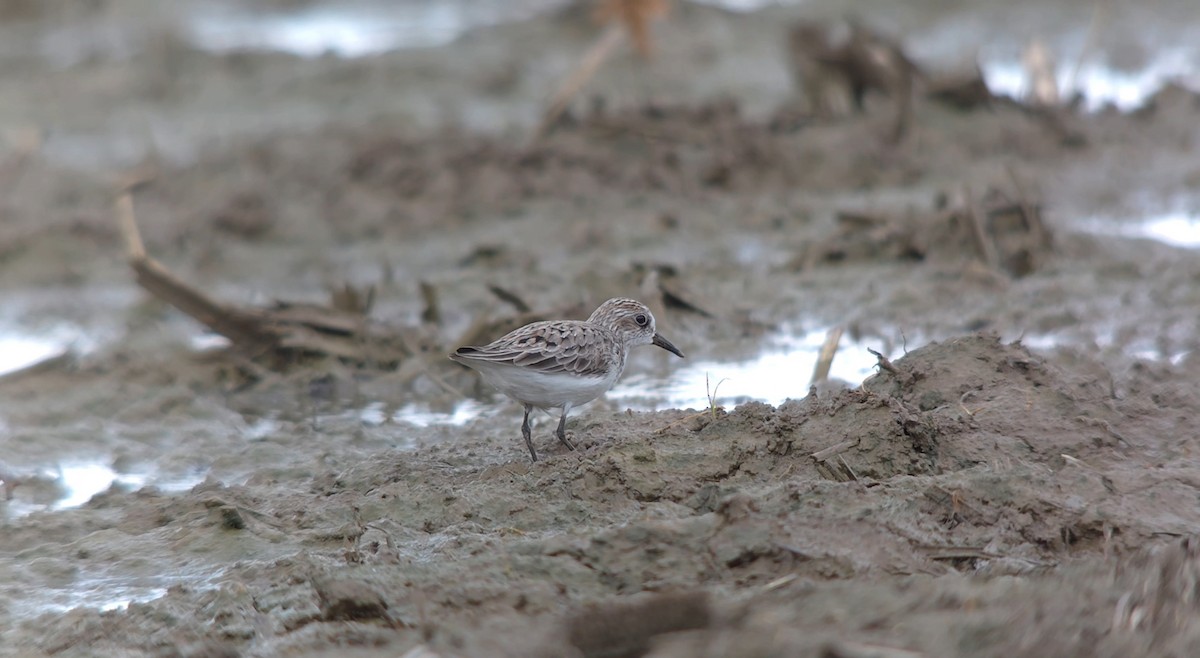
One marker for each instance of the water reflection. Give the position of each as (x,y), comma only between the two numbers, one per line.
(20,348)
(1100,85)
(76,483)
(350,29)
(1177,228)
(781,371)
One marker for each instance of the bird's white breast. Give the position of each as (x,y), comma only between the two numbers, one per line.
(543,389)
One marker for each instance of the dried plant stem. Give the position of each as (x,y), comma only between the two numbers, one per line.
(825,358)
(592,60)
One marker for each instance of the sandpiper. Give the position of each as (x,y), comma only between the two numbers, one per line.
(560,364)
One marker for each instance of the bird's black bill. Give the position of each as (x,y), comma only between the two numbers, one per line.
(666,345)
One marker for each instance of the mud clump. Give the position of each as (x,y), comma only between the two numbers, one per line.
(957,405)
(624,629)
(345,600)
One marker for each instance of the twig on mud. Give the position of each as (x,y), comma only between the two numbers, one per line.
(128,225)
(842,472)
(835,449)
(884,363)
(962,404)
(828,473)
(162,283)
(282,334)
(853,475)
(825,358)
(1075,461)
(782,580)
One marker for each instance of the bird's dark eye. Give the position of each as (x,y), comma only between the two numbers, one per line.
(641,319)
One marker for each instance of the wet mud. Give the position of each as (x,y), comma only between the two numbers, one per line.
(1017,478)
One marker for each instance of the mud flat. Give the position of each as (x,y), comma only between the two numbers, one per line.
(1017,477)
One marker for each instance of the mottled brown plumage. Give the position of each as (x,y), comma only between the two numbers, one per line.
(564,363)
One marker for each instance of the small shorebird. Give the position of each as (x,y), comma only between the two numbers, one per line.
(564,363)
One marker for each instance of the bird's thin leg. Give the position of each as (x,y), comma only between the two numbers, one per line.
(526,432)
(562,428)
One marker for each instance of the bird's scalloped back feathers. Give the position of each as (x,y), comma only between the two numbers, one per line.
(550,347)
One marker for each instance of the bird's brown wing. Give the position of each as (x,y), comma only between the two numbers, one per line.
(551,347)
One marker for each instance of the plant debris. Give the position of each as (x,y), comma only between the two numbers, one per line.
(283,335)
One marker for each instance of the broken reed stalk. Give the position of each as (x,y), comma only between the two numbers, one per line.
(128,225)
(163,284)
(833,450)
(825,358)
(592,60)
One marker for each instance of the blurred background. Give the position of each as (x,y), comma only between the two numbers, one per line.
(237,239)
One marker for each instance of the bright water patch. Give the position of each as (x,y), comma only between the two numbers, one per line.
(1100,85)
(81,481)
(103,590)
(1144,349)
(350,29)
(101,593)
(21,348)
(377,414)
(362,29)
(1177,228)
(423,416)
(783,370)
(207,341)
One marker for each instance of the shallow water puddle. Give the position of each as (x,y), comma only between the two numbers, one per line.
(353,29)
(362,29)
(104,591)
(1142,350)
(101,593)
(423,416)
(416,414)
(781,371)
(79,482)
